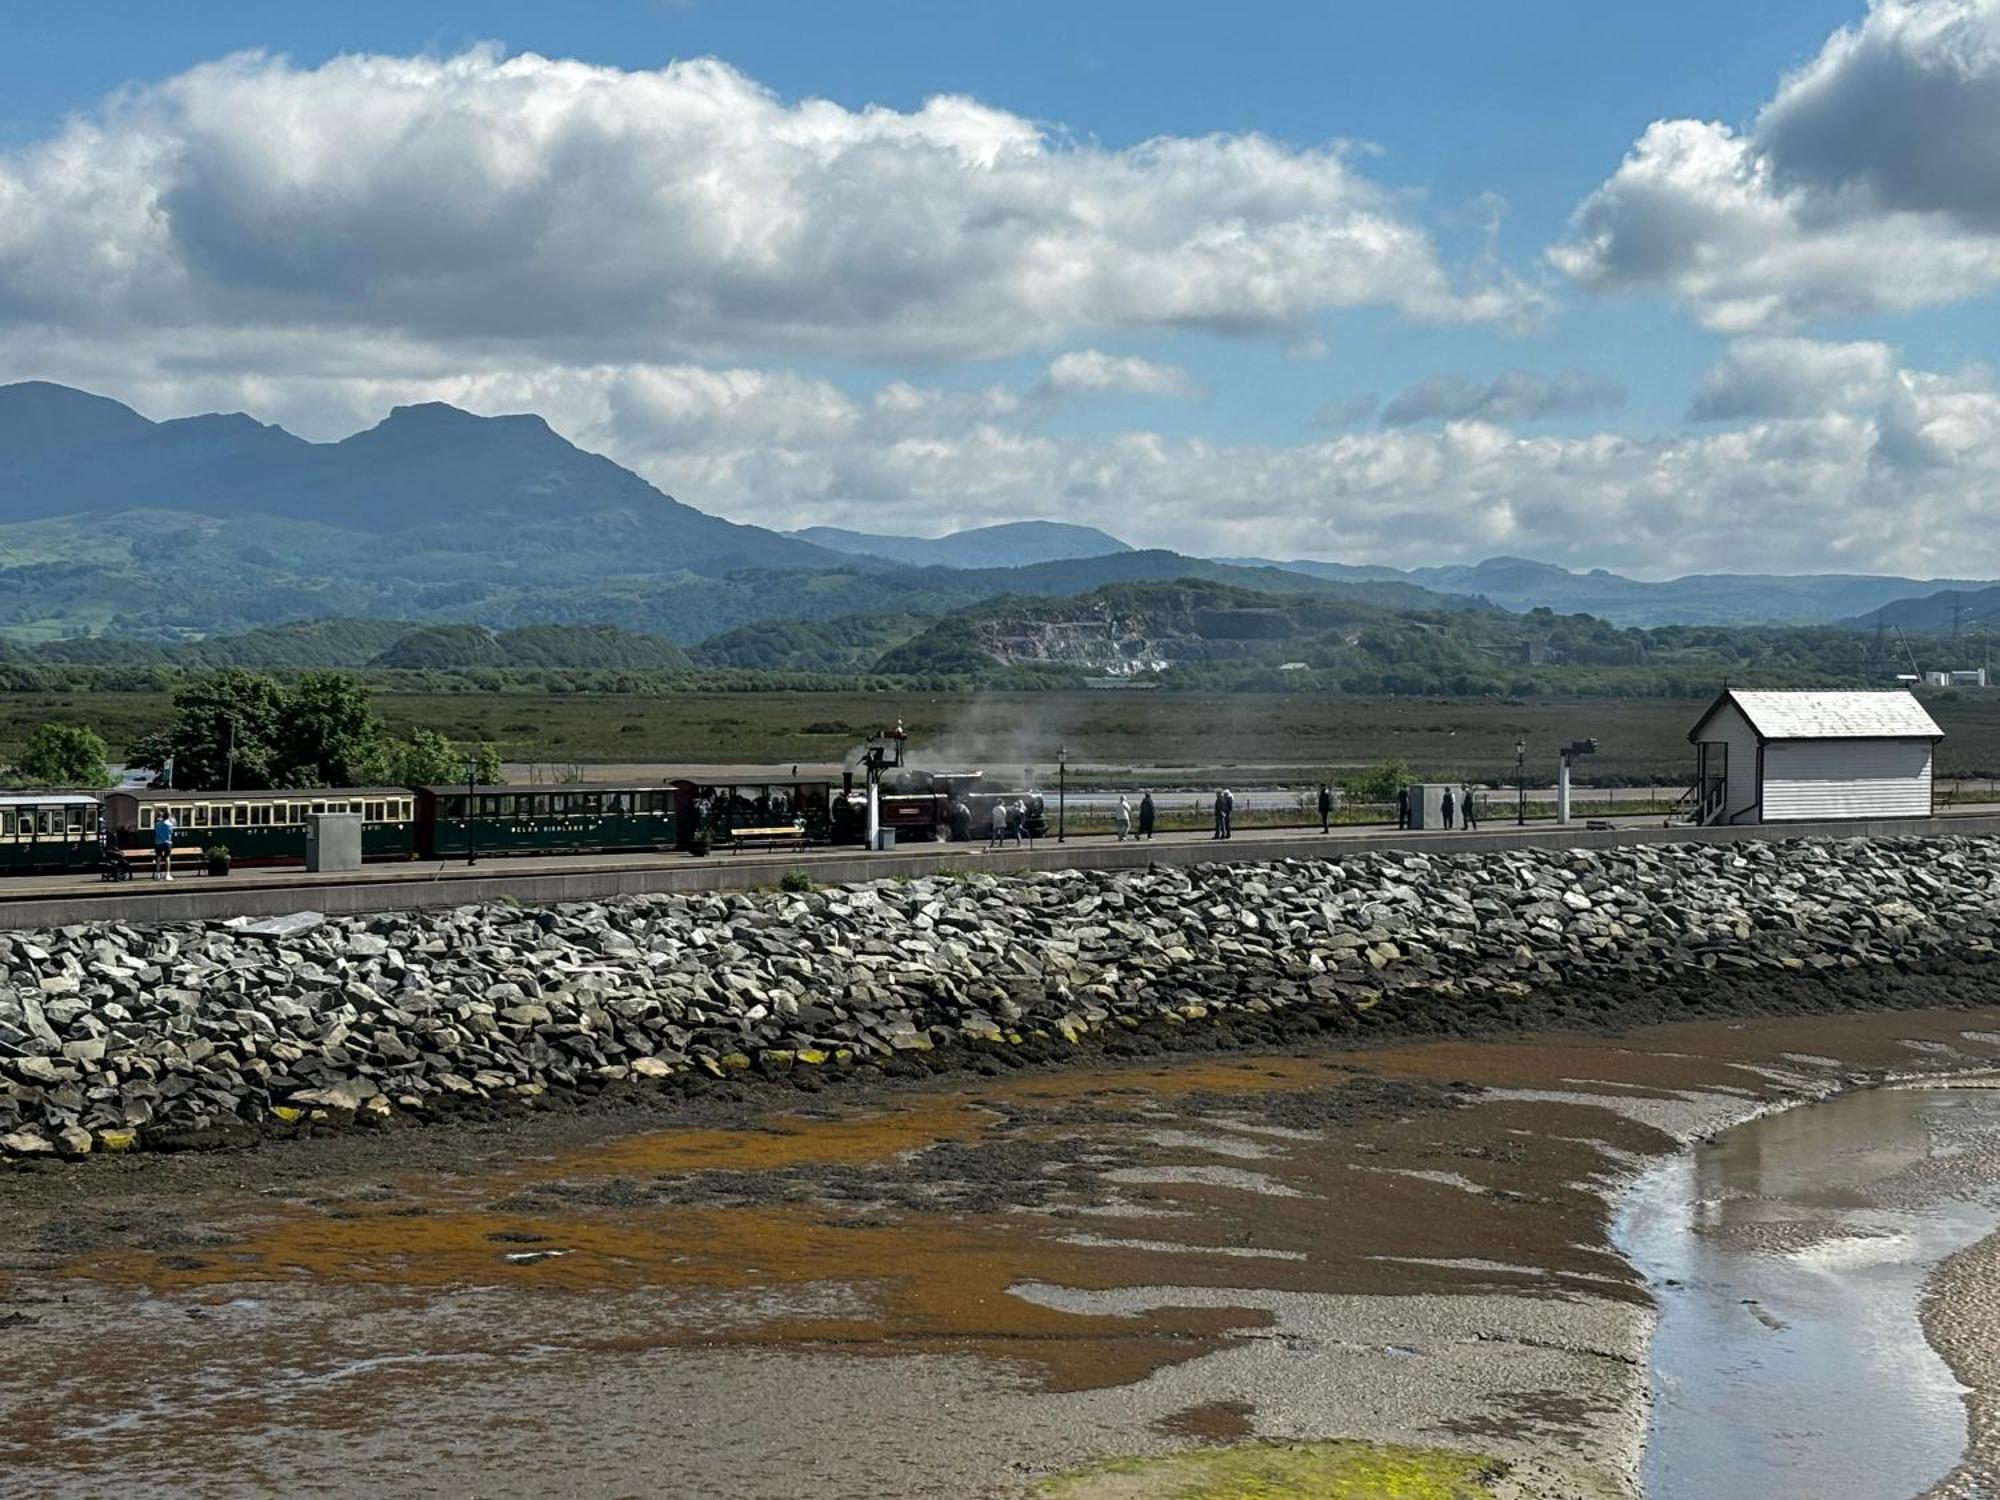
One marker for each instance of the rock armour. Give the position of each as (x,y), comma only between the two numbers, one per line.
(114,1036)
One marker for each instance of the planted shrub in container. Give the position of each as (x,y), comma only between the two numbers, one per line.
(698,843)
(218,859)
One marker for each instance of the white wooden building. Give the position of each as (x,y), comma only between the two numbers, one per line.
(1794,756)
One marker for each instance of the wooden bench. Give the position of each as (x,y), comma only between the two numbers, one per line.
(781,835)
(119,864)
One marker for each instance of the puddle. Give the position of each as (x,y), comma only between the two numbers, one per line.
(1790,1259)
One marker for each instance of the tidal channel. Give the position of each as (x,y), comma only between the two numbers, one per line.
(1797,1261)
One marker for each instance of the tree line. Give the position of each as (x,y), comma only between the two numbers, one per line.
(247,731)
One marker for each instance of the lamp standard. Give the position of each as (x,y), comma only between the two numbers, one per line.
(1520,783)
(1062,793)
(471,809)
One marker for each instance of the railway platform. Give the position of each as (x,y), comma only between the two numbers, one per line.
(58,900)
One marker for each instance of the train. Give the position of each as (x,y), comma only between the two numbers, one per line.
(70,832)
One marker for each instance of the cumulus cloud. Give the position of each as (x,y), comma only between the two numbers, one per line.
(586,212)
(1515,396)
(1869,182)
(1791,377)
(1092,373)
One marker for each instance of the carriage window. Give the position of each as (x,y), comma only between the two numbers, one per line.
(6,825)
(541,804)
(76,822)
(260,815)
(240,814)
(373,812)
(45,821)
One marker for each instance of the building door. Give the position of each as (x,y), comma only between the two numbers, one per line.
(1712,781)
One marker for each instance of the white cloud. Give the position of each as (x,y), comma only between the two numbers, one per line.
(1514,396)
(581,213)
(1791,377)
(1869,183)
(1091,372)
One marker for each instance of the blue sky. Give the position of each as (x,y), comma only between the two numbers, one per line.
(1479,131)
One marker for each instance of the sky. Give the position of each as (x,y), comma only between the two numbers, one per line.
(1665,289)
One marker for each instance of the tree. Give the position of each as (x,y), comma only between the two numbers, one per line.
(225,733)
(488,768)
(426,758)
(65,755)
(1379,783)
(331,734)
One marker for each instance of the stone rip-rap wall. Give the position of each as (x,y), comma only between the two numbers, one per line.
(113,1036)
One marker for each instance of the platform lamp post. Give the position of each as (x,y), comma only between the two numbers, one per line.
(1520,783)
(471,808)
(1062,793)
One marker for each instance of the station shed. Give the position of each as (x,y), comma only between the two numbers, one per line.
(1799,755)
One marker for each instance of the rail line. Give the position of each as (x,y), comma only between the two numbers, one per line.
(49,901)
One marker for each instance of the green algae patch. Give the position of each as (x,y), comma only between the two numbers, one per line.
(1286,1471)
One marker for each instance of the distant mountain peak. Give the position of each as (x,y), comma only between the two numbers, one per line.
(1009,544)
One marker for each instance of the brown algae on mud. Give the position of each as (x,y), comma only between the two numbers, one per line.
(1286,1471)
(1143,1255)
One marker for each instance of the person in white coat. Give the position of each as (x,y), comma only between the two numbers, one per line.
(1121,818)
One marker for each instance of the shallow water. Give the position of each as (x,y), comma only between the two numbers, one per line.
(1790,1259)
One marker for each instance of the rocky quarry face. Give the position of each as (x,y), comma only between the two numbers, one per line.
(113,1036)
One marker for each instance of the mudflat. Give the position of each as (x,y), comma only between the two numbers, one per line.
(954,1287)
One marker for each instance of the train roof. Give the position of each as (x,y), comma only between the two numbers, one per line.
(261,794)
(544,788)
(47,799)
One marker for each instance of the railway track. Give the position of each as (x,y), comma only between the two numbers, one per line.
(45,901)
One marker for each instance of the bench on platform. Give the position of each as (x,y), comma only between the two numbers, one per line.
(119,864)
(778,836)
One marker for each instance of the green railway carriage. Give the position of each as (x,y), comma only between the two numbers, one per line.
(267,827)
(48,832)
(597,817)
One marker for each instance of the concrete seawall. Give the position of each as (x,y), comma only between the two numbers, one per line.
(535,883)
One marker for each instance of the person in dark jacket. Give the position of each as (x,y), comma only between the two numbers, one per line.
(1146,816)
(1225,809)
(1449,804)
(1403,808)
(1466,814)
(1325,808)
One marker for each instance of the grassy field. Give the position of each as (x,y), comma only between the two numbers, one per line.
(1274,738)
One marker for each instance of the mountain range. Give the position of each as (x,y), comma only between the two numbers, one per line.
(111,523)
(1518,583)
(1013,544)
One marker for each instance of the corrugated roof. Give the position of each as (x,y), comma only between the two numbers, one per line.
(1813,715)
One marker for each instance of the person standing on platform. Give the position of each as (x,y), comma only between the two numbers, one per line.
(163,846)
(1466,815)
(1325,808)
(1403,808)
(1147,815)
(1121,818)
(1447,806)
(1225,809)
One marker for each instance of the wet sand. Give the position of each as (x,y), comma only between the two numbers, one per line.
(950,1290)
